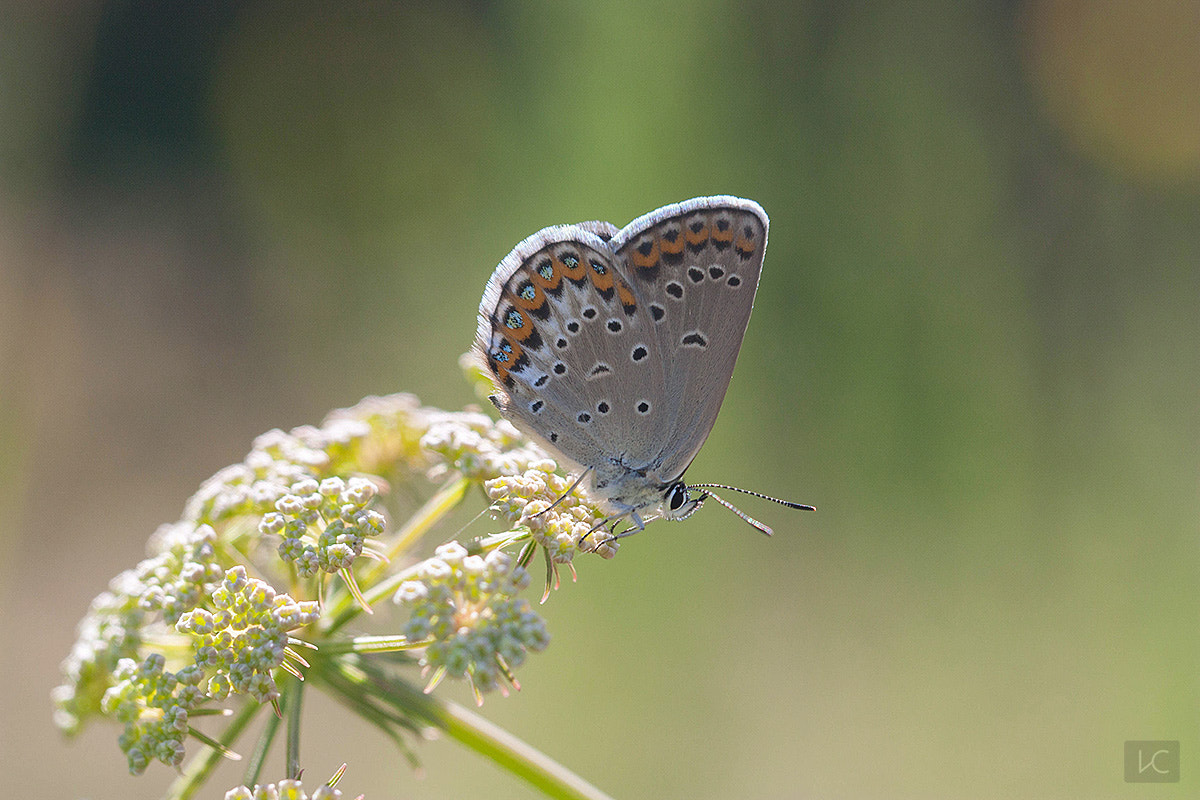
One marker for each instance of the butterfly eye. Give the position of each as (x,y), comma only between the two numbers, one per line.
(676,496)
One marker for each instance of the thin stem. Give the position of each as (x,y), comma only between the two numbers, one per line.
(372,644)
(436,507)
(295,706)
(261,748)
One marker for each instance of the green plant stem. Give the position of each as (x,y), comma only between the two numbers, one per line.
(462,725)
(371,644)
(262,748)
(294,712)
(503,748)
(202,765)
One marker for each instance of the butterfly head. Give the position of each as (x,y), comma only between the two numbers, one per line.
(678,502)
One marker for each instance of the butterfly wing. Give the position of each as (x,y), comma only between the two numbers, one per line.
(694,267)
(558,327)
(616,347)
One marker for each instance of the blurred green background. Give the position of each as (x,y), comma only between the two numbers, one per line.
(976,349)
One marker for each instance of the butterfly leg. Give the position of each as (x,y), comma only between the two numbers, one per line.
(614,520)
(638,526)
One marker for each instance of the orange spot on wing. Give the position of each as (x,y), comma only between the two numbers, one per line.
(539,299)
(648,261)
(603,283)
(696,238)
(625,294)
(574,273)
(511,356)
(555,278)
(520,333)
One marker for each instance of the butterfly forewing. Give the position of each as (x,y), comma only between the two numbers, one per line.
(694,267)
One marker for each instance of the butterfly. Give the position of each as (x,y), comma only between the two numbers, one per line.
(612,347)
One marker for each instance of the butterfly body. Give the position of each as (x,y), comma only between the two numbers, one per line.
(613,348)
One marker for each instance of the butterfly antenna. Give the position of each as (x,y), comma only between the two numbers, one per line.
(788,503)
(758,525)
(751,520)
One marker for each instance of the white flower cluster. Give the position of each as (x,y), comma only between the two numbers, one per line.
(180,575)
(241,641)
(467,606)
(477,446)
(154,706)
(284,790)
(315,488)
(324,525)
(244,638)
(529,500)
(377,433)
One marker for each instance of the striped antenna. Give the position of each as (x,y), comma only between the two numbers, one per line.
(755,523)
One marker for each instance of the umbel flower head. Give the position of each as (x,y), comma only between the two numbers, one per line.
(154,705)
(245,636)
(466,607)
(239,643)
(205,619)
(478,447)
(182,571)
(324,525)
